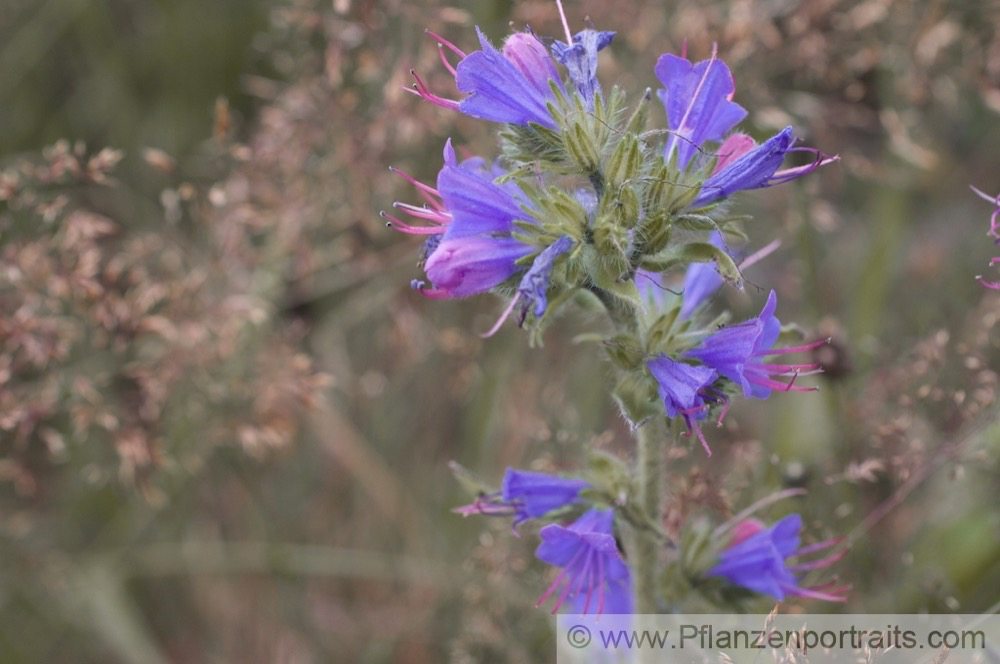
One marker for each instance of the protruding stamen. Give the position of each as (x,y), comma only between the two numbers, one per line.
(432,293)
(692,425)
(421,89)
(835,557)
(444,60)
(503,317)
(787,174)
(565,23)
(760,254)
(436,216)
(795,349)
(447,44)
(404,227)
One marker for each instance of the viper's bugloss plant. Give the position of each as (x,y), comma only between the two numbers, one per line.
(586,204)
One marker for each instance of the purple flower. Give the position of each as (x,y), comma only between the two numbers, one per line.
(700,110)
(736,352)
(532,59)
(594,576)
(698,100)
(756,559)
(464,266)
(686,391)
(994,233)
(580,60)
(528,495)
(751,170)
(535,282)
(511,86)
(471,248)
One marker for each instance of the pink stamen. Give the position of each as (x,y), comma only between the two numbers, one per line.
(600,586)
(820,546)
(503,317)
(787,174)
(585,575)
(435,293)
(815,594)
(421,90)
(428,193)
(692,425)
(777,385)
(447,44)
(725,411)
(794,349)
(555,584)
(437,216)
(552,587)
(789,369)
(444,60)
(565,23)
(822,562)
(404,227)
(760,254)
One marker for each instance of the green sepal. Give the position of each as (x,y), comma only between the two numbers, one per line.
(662,331)
(637,123)
(624,164)
(625,351)
(636,396)
(581,149)
(696,222)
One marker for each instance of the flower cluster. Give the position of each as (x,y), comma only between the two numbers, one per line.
(593,575)
(586,203)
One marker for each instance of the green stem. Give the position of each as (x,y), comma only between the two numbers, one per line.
(645,563)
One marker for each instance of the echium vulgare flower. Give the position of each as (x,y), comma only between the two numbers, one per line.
(994,233)
(700,111)
(472,247)
(526,495)
(756,558)
(735,353)
(594,577)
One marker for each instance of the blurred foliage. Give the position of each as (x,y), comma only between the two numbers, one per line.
(225,420)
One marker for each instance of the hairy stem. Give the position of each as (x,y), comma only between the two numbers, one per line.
(650,440)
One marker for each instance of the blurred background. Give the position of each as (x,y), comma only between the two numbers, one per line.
(226,420)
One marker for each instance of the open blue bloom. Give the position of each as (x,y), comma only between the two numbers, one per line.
(700,110)
(594,576)
(510,86)
(535,282)
(470,248)
(528,495)
(757,560)
(736,352)
(698,100)
(580,60)
(685,390)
